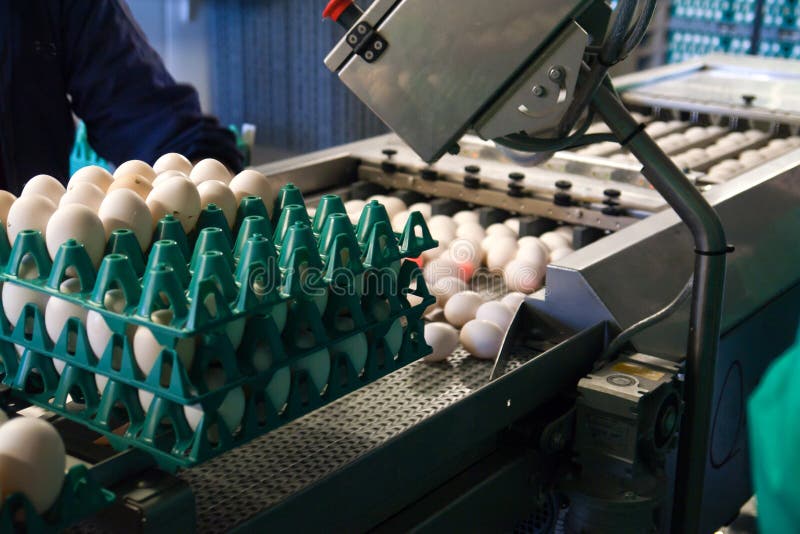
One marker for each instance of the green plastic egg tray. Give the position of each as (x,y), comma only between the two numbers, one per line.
(81,497)
(331,280)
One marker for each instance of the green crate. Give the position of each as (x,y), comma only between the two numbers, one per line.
(357,272)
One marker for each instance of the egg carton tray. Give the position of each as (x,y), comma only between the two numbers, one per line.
(81,497)
(379,311)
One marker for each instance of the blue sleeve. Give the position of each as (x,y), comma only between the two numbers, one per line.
(132,107)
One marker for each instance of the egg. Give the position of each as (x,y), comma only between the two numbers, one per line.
(443,339)
(230,411)
(16,297)
(495,312)
(751,158)
(91,175)
(214,192)
(356,349)
(472,231)
(513,300)
(399,221)
(443,223)
(462,307)
(559,254)
(500,230)
(135,167)
(423,208)
(6,201)
(210,169)
(513,224)
(178,197)
(393,205)
(253,183)
(502,251)
(279,386)
(32,461)
(482,339)
(442,267)
(318,367)
(553,240)
(523,276)
(76,221)
(133,182)
(146,348)
(83,193)
(466,217)
(166,175)
(567,231)
(467,255)
(172,162)
(29,213)
(444,288)
(97,329)
(355,207)
(533,255)
(124,209)
(58,311)
(45,186)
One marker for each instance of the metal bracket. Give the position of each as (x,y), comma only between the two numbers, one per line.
(366,42)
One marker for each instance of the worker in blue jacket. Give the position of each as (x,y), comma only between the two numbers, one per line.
(88,58)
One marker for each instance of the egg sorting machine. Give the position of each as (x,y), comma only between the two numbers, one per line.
(549,435)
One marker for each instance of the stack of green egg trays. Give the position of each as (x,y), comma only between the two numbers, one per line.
(300,286)
(81,497)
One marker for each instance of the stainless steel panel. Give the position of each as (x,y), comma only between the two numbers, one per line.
(372,15)
(444,65)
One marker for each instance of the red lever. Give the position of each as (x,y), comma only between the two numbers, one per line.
(335,9)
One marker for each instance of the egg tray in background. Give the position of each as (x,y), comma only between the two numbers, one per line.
(81,497)
(175,445)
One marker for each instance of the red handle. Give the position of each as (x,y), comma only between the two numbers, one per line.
(335,8)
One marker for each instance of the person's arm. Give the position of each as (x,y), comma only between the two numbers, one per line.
(132,107)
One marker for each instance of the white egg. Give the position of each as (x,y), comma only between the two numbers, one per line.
(92,175)
(444,223)
(399,221)
(76,221)
(533,255)
(252,183)
(751,158)
(32,461)
(172,162)
(355,207)
(29,213)
(356,349)
(717,150)
(495,312)
(442,267)
(16,297)
(772,152)
(559,254)
(500,230)
(482,339)
(135,167)
(132,182)
(46,186)
(444,288)
(513,224)
(553,240)
(462,307)
(513,300)
(433,254)
(178,197)
(423,208)
(97,330)
(83,193)
(695,133)
(567,231)
(214,192)
(524,277)
(58,311)
(166,175)
(471,230)
(466,217)
(467,255)
(210,169)
(6,201)
(279,387)
(393,206)
(501,251)
(318,367)
(123,209)
(146,348)
(230,411)
(443,339)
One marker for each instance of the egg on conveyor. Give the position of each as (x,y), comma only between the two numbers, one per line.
(32,461)
(523,276)
(482,339)
(533,255)
(501,251)
(472,231)
(133,182)
(500,230)
(443,339)
(76,221)
(461,308)
(559,254)
(146,348)
(172,162)
(6,201)
(230,411)
(553,240)
(423,208)
(45,186)
(83,193)
(177,197)
(446,287)
(210,169)
(513,300)
(91,175)
(58,311)
(124,209)
(465,217)
(135,167)
(513,224)
(250,182)
(214,192)
(400,220)
(497,313)
(29,213)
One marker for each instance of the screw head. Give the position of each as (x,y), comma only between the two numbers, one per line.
(352,39)
(361,29)
(378,45)
(369,55)
(556,74)
(538,91)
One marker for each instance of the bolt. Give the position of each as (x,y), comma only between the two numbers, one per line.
(389,152)
(352,39)
(556,74)
(361,29)
(369,55)
(378,45)
(538,91)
